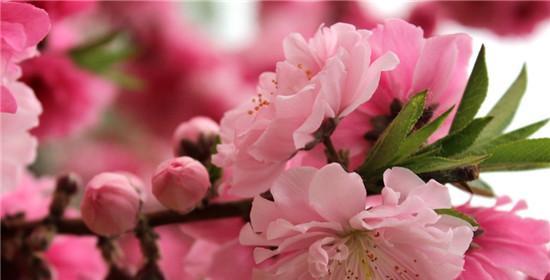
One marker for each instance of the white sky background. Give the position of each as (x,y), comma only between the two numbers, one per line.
(233,23)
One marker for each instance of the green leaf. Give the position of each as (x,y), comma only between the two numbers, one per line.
(456,142)
(385,148)
(519,155)
(415,140)
(463,139)
(518,134)
(422,164)
(457,214)
(503,112)
(124,80)
(100,55)
(474,94)
(478,187)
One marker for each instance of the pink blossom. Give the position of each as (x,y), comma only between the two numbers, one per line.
(438,64)
(18,147)
(22,27)
(69,257)
(328,76)
(507,244)
(73,99)
(321,225)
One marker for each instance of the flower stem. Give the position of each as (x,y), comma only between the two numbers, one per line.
(209,212)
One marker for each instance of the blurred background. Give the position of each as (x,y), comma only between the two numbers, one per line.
(116,78)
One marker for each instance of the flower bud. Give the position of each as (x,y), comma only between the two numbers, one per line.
(180,183)
(111,203)
(195,137)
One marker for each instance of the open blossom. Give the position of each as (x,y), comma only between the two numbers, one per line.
(507,245)
(23,26)
(71,97)
(437,64)
(328,76)
(321,225)
(18,146)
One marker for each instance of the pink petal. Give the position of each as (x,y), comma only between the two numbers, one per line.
(262,213)
(8,103)
(337,195)
(514,255)
(401,180)
(291,194)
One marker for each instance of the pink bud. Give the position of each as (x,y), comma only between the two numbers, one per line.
(193,129)
(180,183)
(111,203)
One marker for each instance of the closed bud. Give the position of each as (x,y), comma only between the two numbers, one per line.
(195,138)
(180,183)
(111,203)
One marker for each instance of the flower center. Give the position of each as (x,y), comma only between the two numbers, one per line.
(364,256)
(259,102)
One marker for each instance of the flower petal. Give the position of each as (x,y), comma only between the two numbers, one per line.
(337,195)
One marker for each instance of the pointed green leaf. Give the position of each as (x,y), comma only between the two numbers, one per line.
(457,214)
(519,155)
(385,148)
(459,141)
(478,187)
(422,164)
(474,94)
(463,139)
(415,140)
(503,112)
(518,134)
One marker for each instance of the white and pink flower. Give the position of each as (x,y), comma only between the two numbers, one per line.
(23,27)
(328,76)
(322,225)
(438,64)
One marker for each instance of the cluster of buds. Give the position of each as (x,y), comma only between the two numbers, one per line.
(112,201)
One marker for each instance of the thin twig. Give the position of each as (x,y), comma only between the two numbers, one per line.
(209,212)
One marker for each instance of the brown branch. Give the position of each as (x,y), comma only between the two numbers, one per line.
(208,212)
